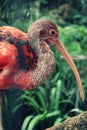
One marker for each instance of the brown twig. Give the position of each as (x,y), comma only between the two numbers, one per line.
(74,123)
(79,57)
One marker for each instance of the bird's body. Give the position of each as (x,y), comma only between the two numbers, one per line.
(18,61)
(15,54)
(26,59)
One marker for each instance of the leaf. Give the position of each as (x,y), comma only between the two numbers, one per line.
(52,99)
(57,94)
(16,108)
(42,101)
(36,120)
(29,101)
(26,122)
(58,120)
(51,114)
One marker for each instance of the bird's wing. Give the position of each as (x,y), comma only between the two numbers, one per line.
(8,63)
(19,39)
(15,55)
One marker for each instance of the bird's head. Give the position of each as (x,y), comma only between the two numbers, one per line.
(44,30)
(47,31)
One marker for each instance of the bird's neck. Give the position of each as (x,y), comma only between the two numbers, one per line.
(45,62)
(45,65)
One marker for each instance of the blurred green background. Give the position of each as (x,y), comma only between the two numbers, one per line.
(58,98)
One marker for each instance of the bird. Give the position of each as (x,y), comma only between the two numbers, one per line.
(26,59)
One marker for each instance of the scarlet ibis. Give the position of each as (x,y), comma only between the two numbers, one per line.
(26,60)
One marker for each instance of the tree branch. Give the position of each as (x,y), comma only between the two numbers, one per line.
(78,57)
(74,123)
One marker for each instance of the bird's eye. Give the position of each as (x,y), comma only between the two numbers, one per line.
(52,32)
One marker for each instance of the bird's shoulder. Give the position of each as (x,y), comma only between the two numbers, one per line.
(8,32)
(15,38)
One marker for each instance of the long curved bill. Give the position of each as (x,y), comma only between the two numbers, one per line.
(61,49)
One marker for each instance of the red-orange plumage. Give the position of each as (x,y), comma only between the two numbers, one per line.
(15,54)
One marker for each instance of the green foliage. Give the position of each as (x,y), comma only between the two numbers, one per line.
(45,107)
(23,12)
(74,36)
